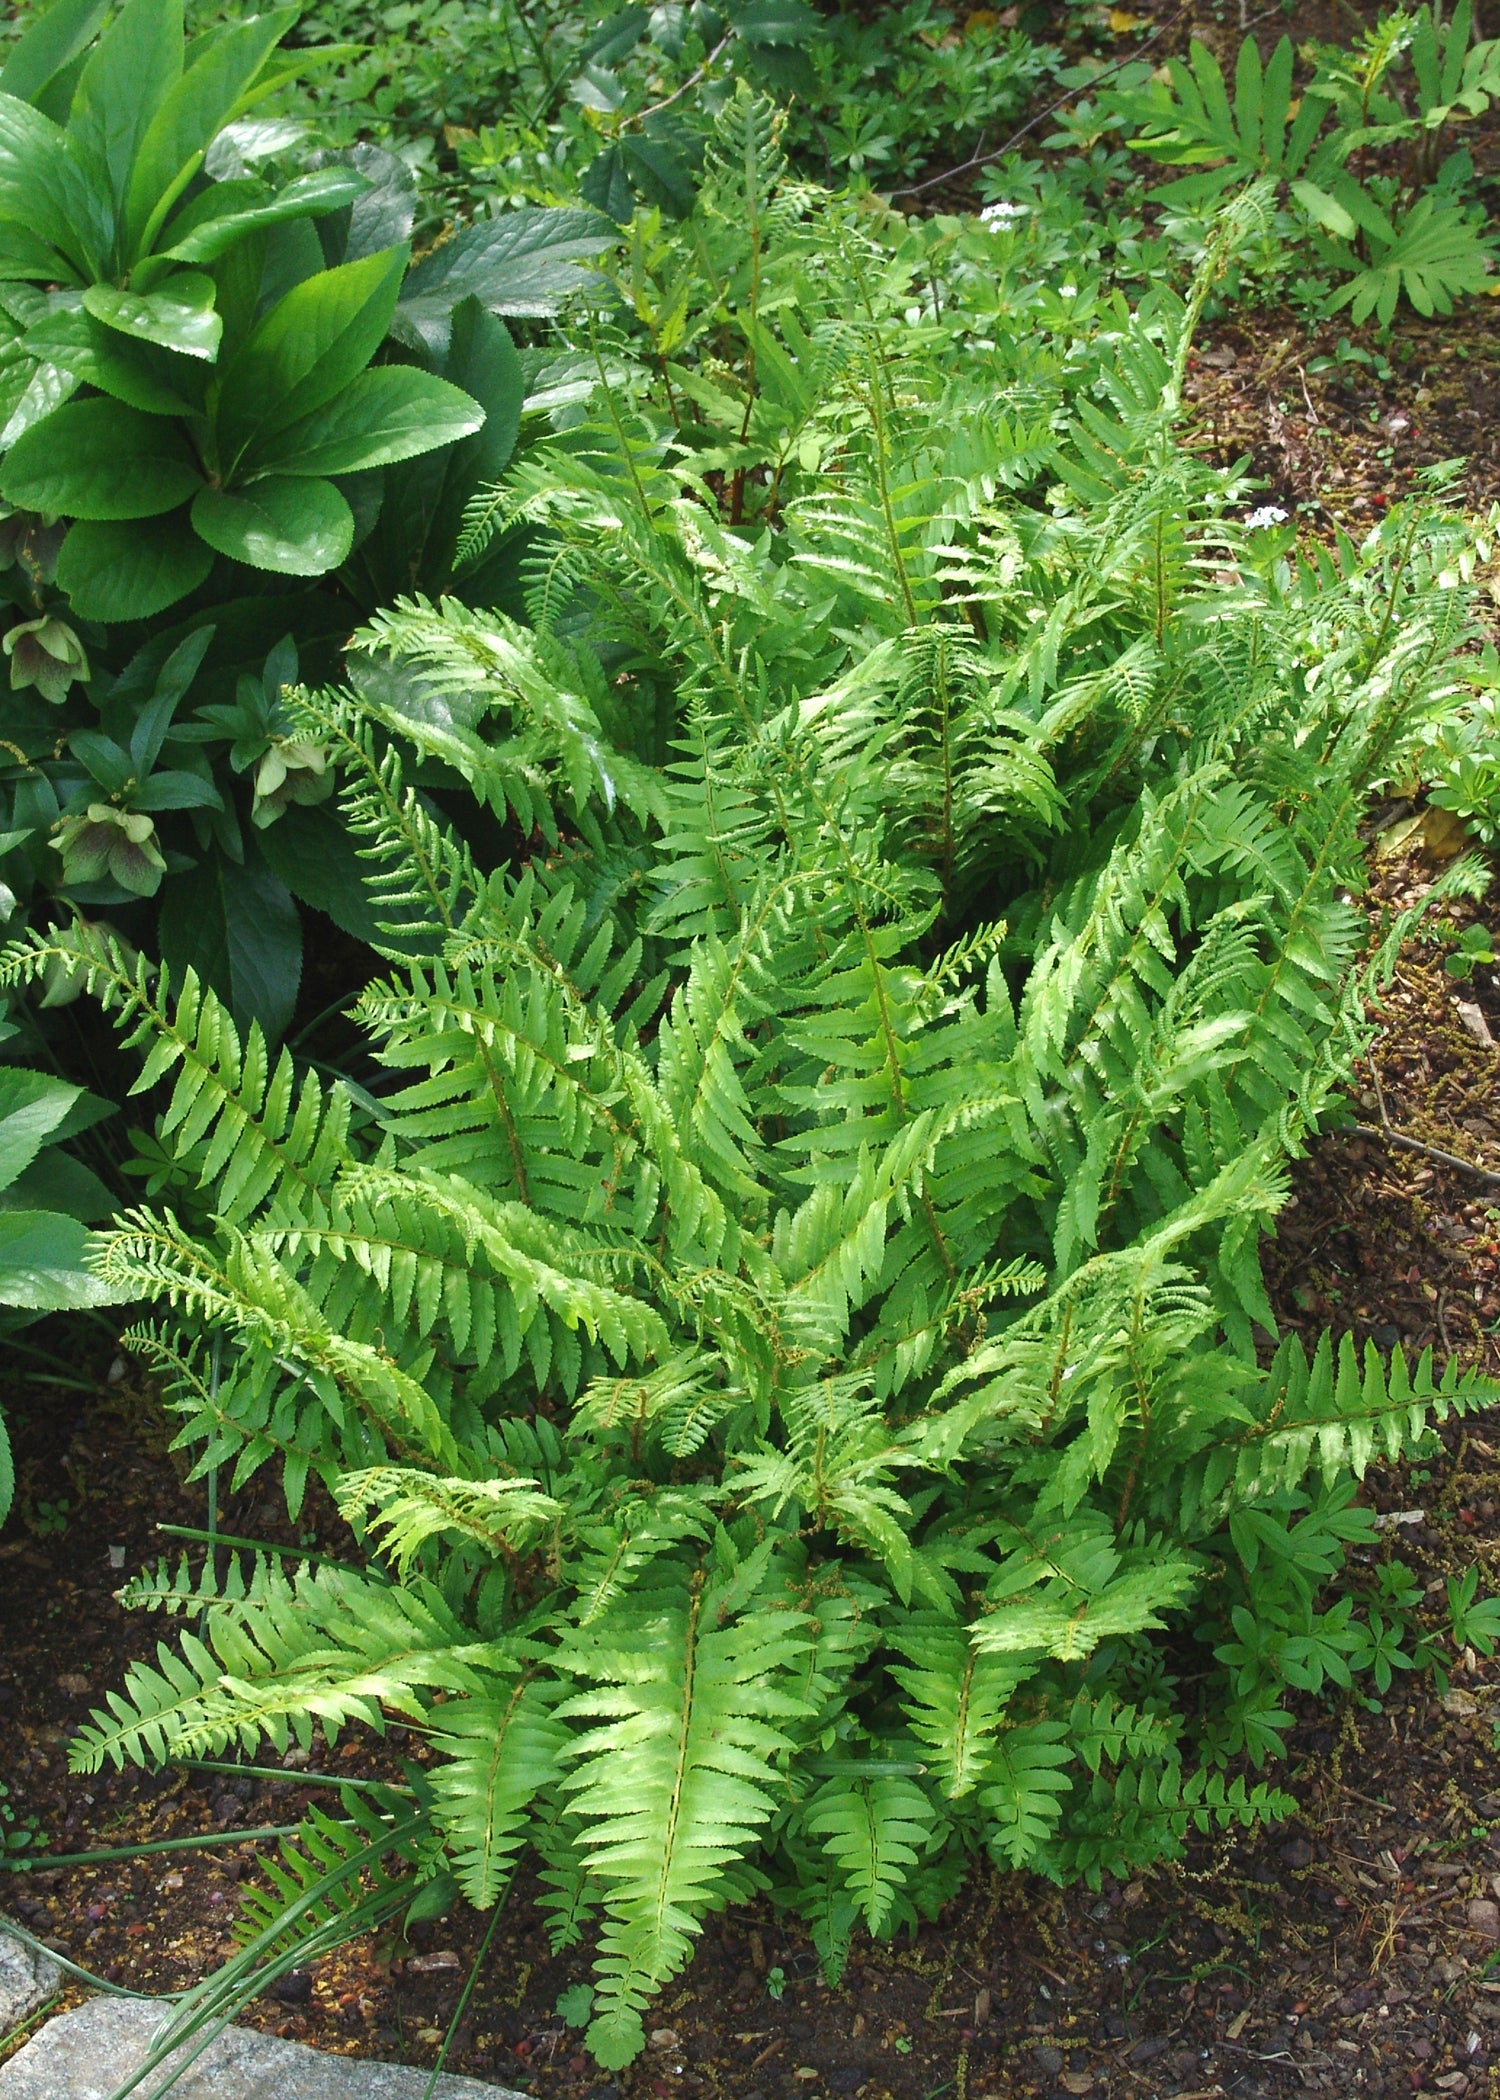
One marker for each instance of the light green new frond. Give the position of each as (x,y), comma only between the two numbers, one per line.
(244,1288)
(873,1829)
(1024,1795)
(614,1554)
(675,1779)
(500,1748)
(324,1645)
(480,662)
(1069,1585)
(956,1698)
(499,1516)
(677,1402)
(442,1251)
(217,1584)
(1334,1413)
(144,1723)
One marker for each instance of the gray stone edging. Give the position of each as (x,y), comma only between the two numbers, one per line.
(86,2054)
(27,1980)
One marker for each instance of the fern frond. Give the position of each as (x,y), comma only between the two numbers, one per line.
(264,1130)
(874,1830)
(674,1780)
(500,1750)
(1025,1791)
(499,1516)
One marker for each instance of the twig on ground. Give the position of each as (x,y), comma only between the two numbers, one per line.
(982,160)
(1447,1159)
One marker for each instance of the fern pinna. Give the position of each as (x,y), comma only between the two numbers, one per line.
(785,1325)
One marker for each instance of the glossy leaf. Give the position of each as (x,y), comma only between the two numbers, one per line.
(132,69)
(307,197)
(179,317)
(100,459)
(524,263)
(661,175)
(174,790)
(41,1263)
(172,682)
(194,109)
(47,387)
(57,1181)
(44,192)
(311,344)
(606,184)
(380,216)
(421,516)
(776,21)
(131,571)
(94,355)
(32,1105)
(53,41)
(298,527)
(390,413)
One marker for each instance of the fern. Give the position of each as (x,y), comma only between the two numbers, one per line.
(873,1829)
(673,1782)
(781,1310)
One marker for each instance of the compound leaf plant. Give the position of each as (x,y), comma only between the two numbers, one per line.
(784,1322)
(205,376)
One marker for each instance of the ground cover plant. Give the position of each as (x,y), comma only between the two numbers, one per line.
(203,831)
(784,1316)
(1411,229)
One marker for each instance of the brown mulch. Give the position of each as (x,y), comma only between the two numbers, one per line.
(1337,440)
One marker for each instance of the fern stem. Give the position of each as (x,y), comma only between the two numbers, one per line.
(290,1777)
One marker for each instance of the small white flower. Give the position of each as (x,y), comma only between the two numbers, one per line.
(1004,214)
(1268,514)
(1067,291)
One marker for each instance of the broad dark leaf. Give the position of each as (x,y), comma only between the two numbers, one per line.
(238,927)
(523,263)
(131,571)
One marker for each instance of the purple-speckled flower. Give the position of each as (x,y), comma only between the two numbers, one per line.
(45,653)
(116,842)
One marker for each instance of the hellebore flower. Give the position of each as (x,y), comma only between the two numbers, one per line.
(116,842)
(45,653)
(289,772)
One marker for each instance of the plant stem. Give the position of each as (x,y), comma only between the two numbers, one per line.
(464,1996)
(45,1861)
(289,1776)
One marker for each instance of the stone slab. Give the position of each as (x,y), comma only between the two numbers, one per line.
(85,2055)
(27,1980)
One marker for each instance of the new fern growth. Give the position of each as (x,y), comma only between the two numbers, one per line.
(787,1329)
